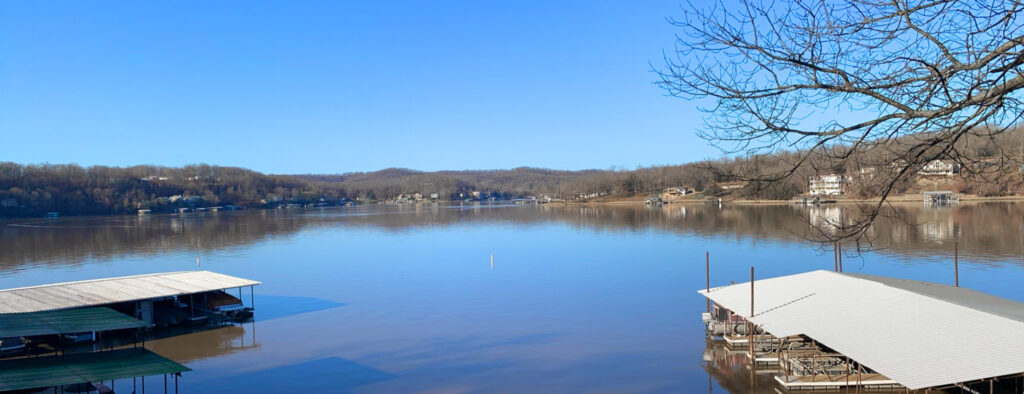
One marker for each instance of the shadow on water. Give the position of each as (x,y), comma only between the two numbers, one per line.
(275,307)
(325,375)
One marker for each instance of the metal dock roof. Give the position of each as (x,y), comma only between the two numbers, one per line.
(919,334)
(28,373)
(65,322)
(113,290)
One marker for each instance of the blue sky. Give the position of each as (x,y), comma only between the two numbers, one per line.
(332,87)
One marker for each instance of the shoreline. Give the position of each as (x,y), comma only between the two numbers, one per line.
(911,198)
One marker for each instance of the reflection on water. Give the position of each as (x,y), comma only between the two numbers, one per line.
(201,344)
(731,370)
(579,298)
(995,228)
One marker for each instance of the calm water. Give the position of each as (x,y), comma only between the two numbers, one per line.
(404,298)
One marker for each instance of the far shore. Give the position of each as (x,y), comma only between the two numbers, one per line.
(906,198)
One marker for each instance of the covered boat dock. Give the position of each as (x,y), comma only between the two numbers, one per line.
(65,321)
(99,292)
(59,371)
(828,330)
(38,313)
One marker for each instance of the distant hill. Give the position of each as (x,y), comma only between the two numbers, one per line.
(392,182)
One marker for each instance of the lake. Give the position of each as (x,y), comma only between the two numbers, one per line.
(408,298)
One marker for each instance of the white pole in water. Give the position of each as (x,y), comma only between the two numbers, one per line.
(492,261)
(197,261)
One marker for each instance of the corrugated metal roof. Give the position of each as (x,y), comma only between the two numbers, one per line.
(34,372)
(113,290)
(65,321)
(919,334)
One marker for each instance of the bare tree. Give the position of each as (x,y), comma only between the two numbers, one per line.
(880,86)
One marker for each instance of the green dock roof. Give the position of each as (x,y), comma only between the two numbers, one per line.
(28,373)
(65,321)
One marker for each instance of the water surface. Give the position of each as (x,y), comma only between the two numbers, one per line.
(405,298)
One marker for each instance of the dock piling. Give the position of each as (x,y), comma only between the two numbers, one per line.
(956,263)
(707,276)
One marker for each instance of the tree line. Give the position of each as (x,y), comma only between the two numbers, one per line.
(33,190)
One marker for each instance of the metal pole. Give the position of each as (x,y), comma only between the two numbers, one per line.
(165,383)
(252,297)
(860,373)
(176,382)
(840,257)
(835,256)
(707,277)
(956,263)
(847,375)
(751,324)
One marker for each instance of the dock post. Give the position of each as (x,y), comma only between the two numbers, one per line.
(840,257)
(750,332)
(956,263)
(707,278)
(835,256)
(847,375)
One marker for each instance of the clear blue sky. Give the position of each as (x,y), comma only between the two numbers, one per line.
(331,87)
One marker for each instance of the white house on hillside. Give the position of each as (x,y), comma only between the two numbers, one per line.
(939,168)
(826,185)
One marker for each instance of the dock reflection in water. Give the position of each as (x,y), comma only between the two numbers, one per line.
(206,343)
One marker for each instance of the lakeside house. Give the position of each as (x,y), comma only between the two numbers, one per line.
(826,185)
(675,193)
(729,186)
(9,203)
(939,168)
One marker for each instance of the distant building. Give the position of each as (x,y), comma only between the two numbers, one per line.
(678,191)
(826,185)
(732,185)
(939,168)
(675,192)
(434,196)
(9,203)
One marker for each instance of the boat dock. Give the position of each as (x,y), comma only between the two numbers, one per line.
(825,330)
(40,326)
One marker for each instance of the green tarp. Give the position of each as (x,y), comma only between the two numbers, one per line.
(65,322)
(27,373)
